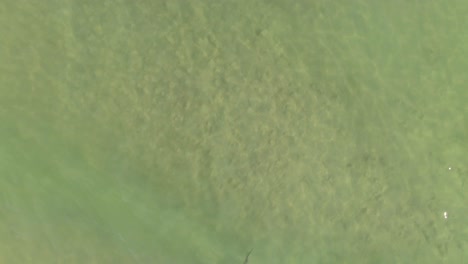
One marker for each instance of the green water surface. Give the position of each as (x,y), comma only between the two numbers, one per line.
(190,132)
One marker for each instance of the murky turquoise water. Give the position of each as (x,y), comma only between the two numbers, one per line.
(195,131)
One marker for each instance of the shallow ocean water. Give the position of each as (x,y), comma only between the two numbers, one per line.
(175,132)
